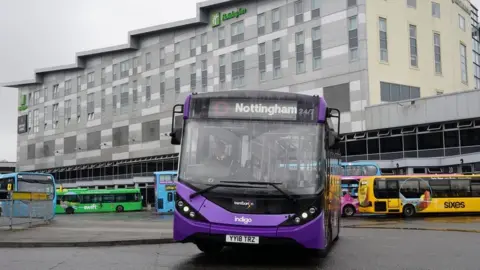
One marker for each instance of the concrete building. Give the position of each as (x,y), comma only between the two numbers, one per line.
(101,121)
(7,167)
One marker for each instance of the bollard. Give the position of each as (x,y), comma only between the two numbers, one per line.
(11,213)
(30,213)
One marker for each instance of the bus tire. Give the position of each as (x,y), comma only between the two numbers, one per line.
(408,211)
(209,248)
(348,210)
(69,211)
(119,209)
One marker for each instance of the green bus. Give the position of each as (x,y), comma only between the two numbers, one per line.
(84,200)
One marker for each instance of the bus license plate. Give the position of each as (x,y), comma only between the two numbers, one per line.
(242,239)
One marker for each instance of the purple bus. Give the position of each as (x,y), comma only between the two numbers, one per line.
(232,188)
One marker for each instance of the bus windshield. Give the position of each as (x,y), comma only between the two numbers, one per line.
(35,183)
(245,150)
(360,170)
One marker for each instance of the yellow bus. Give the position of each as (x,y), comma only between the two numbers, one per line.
(411,194)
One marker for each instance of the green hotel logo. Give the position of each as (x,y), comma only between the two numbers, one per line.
(23,103)
(217,17)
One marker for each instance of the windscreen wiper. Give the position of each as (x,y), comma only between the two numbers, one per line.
(205,190)
(273,184)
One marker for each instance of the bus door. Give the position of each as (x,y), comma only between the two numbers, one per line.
(393,194)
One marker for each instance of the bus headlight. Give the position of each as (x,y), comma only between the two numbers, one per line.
(302,217)
(186,210)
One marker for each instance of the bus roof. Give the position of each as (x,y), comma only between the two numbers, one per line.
(387,177)
(165,173)
(98,191)
(254,94)
(359,163)
(14,174)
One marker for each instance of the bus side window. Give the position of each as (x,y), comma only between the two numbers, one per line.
(170,196)
(59,199)
(475,188)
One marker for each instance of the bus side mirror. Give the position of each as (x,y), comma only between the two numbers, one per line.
(333,140)
(177,124)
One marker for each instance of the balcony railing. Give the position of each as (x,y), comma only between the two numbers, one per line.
(103,178)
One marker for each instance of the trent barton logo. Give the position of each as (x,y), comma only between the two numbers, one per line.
(243,220)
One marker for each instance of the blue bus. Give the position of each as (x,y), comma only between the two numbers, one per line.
(165,191)
(27,182)
(360,168)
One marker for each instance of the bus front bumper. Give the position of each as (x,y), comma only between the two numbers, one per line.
(309,235)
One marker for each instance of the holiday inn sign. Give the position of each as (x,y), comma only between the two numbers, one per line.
(217,17)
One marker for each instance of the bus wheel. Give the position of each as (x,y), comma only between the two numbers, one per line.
(69,211)
(349,210)
(209,248)
(119,209)
(408,211)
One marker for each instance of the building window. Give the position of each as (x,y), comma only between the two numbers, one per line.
(261,24)
(79,83)
(237,32)
(177,51)
(461,22)
(275,20)
(238,69)
(124,69)
(300,52)
(134,92)
(298,9)
(36,121)
(103,102)
(412,3)
(413,46)
(124,97)
(90,79)
(68,112)
(55,116)
(55,92)
(103,75)
(193,47)
(79,109)
(262,64)
(221,37)
(114,72)
(463,62)
(30,121)
(382,23)
(193,77)
(114,100)
(177,82)
(315,9)
(353,38)
(390,92)
(90,106)
(135,63)
(148,89)
(45,94)
(162,57)
(68,87)
(148,61)
(316,48)
(36,97)
(351,3)
(45,115)
(204,42)
(204,75)
(30,99)
(437,53)
(435,9)
(222,66)
(162,87)
(277,58)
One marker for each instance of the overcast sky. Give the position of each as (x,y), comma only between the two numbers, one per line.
(36,34)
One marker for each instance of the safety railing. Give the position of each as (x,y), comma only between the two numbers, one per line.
(25,209)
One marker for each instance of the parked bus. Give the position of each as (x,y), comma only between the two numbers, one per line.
(411,194)
(231,187)
(84,200)
(165,191)
(352,172)
(27,182)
